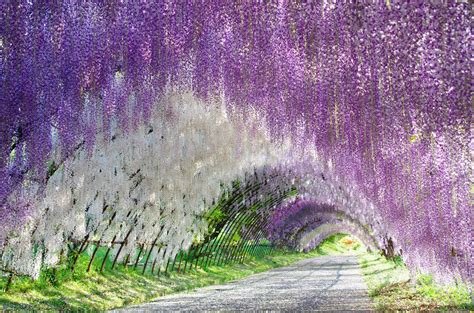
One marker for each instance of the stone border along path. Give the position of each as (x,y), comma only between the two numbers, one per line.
(329,284)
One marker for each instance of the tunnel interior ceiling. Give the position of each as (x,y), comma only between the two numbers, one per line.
(122,123)
(303,224)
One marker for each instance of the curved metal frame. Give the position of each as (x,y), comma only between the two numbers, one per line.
(217,248)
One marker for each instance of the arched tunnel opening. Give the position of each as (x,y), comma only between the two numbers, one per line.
(253,216)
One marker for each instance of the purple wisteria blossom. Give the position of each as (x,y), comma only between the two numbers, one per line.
(382,91)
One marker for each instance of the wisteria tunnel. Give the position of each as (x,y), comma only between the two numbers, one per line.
(171,135)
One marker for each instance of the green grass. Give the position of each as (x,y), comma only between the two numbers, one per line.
(389,282)
(339,244)
(62,290)
(392,288)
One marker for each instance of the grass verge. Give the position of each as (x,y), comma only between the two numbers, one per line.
(122,286)
(389,283)
(391,288)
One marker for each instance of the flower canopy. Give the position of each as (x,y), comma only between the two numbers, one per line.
(379,95)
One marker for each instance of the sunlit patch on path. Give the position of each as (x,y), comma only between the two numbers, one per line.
(332,283)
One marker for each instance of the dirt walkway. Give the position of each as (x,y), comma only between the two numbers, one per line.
(332,283)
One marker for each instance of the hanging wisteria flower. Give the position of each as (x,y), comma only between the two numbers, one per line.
(379,95)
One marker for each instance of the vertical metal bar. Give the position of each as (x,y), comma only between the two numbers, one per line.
(248,218)
(174,261)
(265,224)
(210,247)
(245,249)
(280,200)
(263,215)
(254,249)
(200,255)
(265,220)
(259,235)
(270,210)
(257,252)
(228,236)
(167,264)
(231,220)
(159,268)
(154,261)
(107,254)
(249,222)
(124,242)
(125,262)
(180,259)
(212,244)
(139,254)
(197,255)
(9,282)
(190,254)
(93,256)
(149,253)
(246,240)
(225,234)
(237,225)
(241,242)
(221,233)
(79,252)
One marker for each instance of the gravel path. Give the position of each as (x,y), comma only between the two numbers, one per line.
(332,283)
